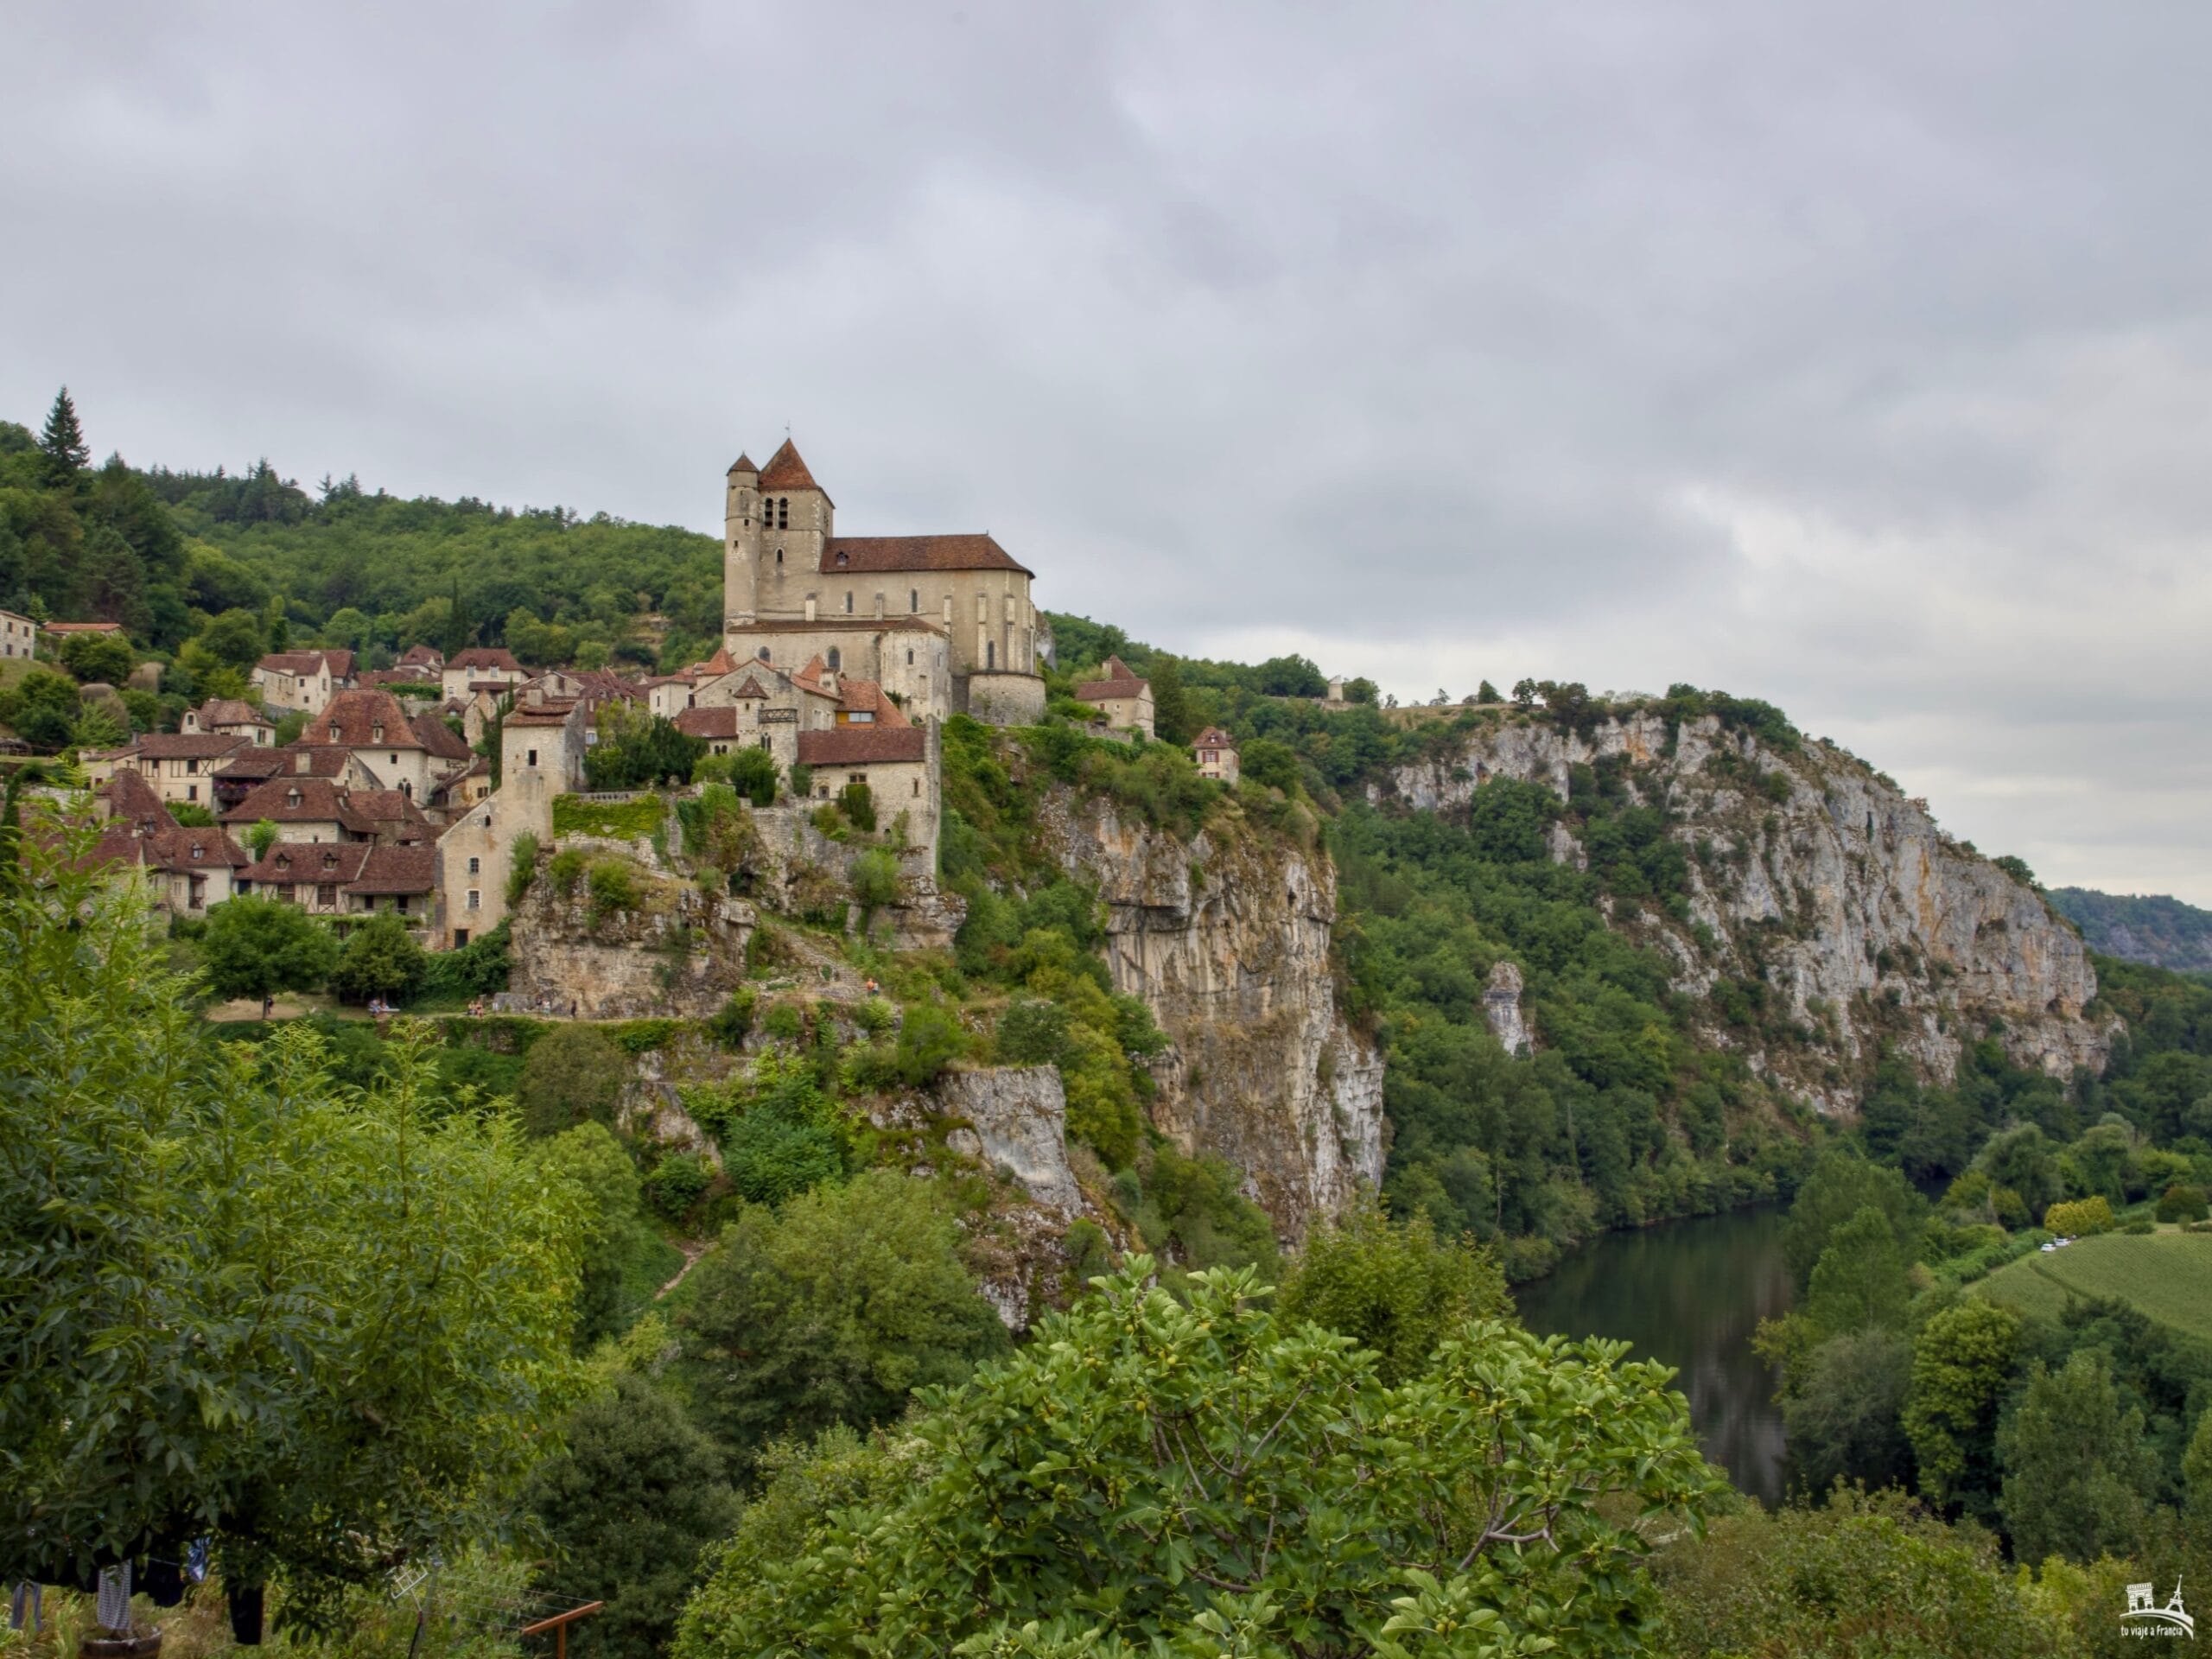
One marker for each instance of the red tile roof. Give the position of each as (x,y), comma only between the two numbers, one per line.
(229,711)
(175,849)
(370,718)
(857,554)
(1213,738)
(187,746)
(867,697)
(1117,682)
(440,739)
(786,471)
(398,869)
(497,657)
(84,627)
(287,864)
(742,464)
(288,799)
(130,800)
(422,656)
(706,722)
(861,746)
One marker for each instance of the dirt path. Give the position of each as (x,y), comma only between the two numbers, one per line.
(693,1250)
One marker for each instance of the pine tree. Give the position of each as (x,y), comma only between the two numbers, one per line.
(460,627)
(63,442)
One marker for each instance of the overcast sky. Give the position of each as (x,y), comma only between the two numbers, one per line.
(1856,356)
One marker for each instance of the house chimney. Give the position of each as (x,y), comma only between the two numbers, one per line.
(303,761)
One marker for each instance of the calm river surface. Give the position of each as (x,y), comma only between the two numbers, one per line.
(1688,1293)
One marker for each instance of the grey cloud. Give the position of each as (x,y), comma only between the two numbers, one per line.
(1852,355)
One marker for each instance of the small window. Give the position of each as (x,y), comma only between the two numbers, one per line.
(843,559)
(532,760)
(475,865)
(783,512)
(837,657)
(475,895)
(914,599)
(780,555)
(198,852)
(326,895)
(918,786)
(910,659)
(848,604)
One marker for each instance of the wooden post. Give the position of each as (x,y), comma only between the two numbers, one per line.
(559,1625)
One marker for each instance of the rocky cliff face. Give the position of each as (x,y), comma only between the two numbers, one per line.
(1226,937)
(677,954)
(1814,876)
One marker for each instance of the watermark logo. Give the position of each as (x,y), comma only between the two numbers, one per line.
(2143,1618)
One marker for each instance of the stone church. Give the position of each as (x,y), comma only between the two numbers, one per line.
(946,621)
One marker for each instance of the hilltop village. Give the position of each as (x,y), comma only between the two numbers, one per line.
(407,789)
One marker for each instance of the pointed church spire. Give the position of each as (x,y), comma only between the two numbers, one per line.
(742,464)
(786,471)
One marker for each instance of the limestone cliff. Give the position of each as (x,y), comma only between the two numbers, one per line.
(1226,937)
(1813,875)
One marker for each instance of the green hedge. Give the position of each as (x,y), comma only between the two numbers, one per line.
(612,820)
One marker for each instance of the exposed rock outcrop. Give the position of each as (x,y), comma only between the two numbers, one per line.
(1501,1009)
(1226,937)
(676,953)
(1017,1121)
(1812,874)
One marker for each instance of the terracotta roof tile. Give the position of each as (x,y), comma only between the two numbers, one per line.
(287,864)
(173,850)
(742,464)
(1213,738)
(398,869)
(861,554)
(786,471)
(867,697)
(363,719)
(706,722)
(440,739)
(497,657)
(187,746)
(132,800)
(861,746)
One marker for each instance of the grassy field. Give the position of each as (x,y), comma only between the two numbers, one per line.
(2167,1274)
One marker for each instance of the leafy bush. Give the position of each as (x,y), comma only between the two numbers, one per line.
(190,816)
(876,881)
(718,827)
(1053,1505)
(930,1038)
(477,968)
(857,802)
(2079,1219)
(523,869)
(608,820)
(643,1036)
(2180,1202)
(833,1309)
(628,1507)
(380,959)
(615,889)
(572,1075)
(1393,1287)
(732,1023)
(255,947)
(566,870)
(676,1183)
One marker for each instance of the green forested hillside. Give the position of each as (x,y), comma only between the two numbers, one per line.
(2150,928)
(166,553)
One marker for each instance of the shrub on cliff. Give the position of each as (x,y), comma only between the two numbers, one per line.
(1393,1287)
(829,1310)
(572,1075)
(1156,1474)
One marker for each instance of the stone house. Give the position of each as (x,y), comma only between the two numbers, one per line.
(347,881)
(246,770)
(902,766)
(422,663)
(316,811)
(370,723)
(18,635)
(301,680)
(1118,694)
(1215,753)
(232,717)
(541,755)
(185,871)
(493,667)
(179,766)
(783,562)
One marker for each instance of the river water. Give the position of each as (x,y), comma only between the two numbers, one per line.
(1688,1293)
